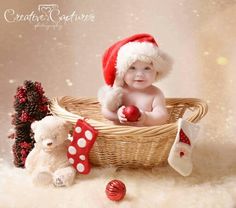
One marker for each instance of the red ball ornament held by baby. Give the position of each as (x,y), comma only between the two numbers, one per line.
(115,190)
(132,113)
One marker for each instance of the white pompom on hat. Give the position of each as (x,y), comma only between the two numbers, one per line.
(120,56)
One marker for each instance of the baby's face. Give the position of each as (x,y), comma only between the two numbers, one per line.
(140,75)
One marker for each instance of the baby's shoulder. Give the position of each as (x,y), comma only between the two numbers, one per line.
(158,97)
(156,91)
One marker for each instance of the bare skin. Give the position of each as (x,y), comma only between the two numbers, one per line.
(139,91)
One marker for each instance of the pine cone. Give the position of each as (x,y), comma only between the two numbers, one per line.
(20,150)
(29,85)
(19,106)
(23,132)
(33,97)
(32,109)
(30,104)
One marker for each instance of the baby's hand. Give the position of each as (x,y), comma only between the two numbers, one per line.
(123,119)
(121,115)
(141,119)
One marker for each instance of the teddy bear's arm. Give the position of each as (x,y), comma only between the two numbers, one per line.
(32,159)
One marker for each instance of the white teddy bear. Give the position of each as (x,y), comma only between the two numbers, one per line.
(47,162)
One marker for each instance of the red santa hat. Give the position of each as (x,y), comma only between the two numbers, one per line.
(120,56)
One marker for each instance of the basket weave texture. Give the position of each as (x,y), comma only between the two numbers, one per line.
(127,146)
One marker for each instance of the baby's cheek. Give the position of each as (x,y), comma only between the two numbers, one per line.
(128,78)
(152,74)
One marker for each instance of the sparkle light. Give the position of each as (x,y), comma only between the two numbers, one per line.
(9,114)
(222,60)
(222,108)
(68,82)
(196,12)
(11,81)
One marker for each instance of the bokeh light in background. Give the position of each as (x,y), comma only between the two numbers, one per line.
(200,35)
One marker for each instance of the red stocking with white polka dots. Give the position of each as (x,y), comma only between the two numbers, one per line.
(84,137)
(181,151)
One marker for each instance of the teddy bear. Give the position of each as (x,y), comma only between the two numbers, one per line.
(47,163)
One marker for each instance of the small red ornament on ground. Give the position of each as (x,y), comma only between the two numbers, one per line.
(132,113)
(115,190)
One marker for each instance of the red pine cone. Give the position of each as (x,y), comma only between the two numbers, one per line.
(39,88)
(21,92)
(43,108)
(30,104)
(24,116)
(22,100)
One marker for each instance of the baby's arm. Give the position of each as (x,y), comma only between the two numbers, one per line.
(117,117)
(110,115)
(158,115)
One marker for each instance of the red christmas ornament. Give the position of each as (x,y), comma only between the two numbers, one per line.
(132,113)
(115,190)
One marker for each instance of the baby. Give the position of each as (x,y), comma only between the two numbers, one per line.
(130,68)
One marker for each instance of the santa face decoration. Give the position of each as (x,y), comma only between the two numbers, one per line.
(181,151)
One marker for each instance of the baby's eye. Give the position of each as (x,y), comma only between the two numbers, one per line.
(147,68)
(132,68)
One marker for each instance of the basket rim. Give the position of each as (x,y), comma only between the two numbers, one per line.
(57,107)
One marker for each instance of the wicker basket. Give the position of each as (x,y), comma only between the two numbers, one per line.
(126,146)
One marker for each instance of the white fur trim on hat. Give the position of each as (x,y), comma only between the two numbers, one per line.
(142,51)
(110,97)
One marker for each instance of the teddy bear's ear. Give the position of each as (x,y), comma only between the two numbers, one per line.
(34,125)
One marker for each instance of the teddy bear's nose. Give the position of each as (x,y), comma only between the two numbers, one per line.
(49,143)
